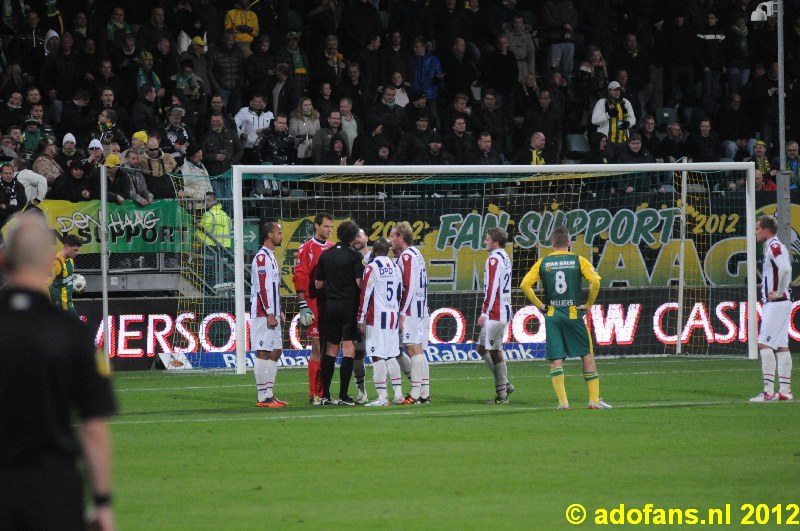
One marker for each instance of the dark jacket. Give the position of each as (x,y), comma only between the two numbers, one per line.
(275,148)
(225,67)
(462,148)
(213,143)
(144,117)
(68,188)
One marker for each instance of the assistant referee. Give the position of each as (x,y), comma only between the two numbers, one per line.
(49,375)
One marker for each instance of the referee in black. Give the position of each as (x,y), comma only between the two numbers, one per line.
(49,378)
(339,273)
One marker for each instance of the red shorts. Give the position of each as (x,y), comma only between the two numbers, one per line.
(313,329)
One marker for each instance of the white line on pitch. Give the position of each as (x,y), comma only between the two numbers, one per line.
(426,410)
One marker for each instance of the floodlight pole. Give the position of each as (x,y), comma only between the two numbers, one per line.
(783,196)
(104,262)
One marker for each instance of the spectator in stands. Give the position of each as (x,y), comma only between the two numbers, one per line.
(138,182)
(116,29)
(351,123)
(149,34)
(593,75)
(544,117)
(259,67)
(359,92)
(37,111)
(330,67)
(764,104)
(61,75)
(704,145)
(320,144)
(177,135)
(414,142)
(250,122)
(32,135)
(138,142)
(395,57)
(459,109)
(427,73)
(144,116)
(35,184)
(434,155)
(650,141)
(596,154)
(500,74)
(158,168)
(145,76)
(390,115)
(243,24)
(108,100)
(67,152)
(614,116)
(28,47)
(560,20)
(534,154)
(95,155)
(337,154)
(12,193)
(325,103)
(275,146)
(360,21)
(636,62)
(485,154)
(75,186)
(196,182)
(8,148)
(12,113)
(634,154)
(521,45)
(165,61)
(460,143)
(459,70)
(738,54)
(108,79)
(711,61)
(792,163)
(44,162)
(118,186)
(196,53)
(297,70)
(382,153)
(673,146)
(303,125)
(763,185)
(735,127)
(226,70)
(286,91)
(107,131)
(418,105)
(488,117)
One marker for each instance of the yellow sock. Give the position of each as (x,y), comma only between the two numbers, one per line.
(557,379)
(593,383)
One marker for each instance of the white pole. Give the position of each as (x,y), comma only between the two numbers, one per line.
(238,263)
(783,197)
(752,278)
(104,261)
(681,260)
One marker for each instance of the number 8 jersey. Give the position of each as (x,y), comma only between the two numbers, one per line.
(562,275)
(497,287)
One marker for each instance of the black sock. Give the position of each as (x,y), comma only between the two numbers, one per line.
(328,367)
(345,373)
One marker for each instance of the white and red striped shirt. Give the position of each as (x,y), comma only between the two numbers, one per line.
(497,287)
(379,294)
(414,295)
(776,273)
(265,285)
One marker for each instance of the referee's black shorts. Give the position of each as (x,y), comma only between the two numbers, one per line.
(340,322)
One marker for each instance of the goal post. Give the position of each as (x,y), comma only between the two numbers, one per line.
(683,244)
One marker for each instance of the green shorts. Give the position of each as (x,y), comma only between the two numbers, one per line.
(567,338)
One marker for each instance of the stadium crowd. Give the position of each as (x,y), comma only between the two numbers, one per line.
(154,88)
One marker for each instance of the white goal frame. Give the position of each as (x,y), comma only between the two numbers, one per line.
(238,217)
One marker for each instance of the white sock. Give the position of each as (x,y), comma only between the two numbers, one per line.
(501,379)
(359,374)
(379,377)
(487,359)
(417,366)
(260,372)
(785,371)
(272,371)
(425,388)
(768,369)
(405,363)
(393,368)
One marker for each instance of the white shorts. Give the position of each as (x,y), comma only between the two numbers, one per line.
(491,335)
(382,343)
(262,337)
(415,331)
(774,329)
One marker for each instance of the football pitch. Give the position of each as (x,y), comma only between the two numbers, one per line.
(193,452)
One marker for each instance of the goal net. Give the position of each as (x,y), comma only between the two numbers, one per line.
(674,246)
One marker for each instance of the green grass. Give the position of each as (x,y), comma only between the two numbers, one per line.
(192,451)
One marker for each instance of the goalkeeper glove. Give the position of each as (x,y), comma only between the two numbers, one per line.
(306,315)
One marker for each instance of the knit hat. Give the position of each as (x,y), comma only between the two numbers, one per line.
(112,161)
(435,136)
(95,144)
(199,41)
(69,137)
(141,136)
(145,55)
(178,111)
(31,119)
(292,35)
(192,149)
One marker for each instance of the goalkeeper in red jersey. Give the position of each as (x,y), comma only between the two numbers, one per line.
(307,297)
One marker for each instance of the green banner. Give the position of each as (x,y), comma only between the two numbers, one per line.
(160,227)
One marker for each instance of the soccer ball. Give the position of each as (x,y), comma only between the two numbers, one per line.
(78,282)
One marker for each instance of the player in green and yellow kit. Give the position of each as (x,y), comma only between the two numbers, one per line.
(63,275)
(562,273)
